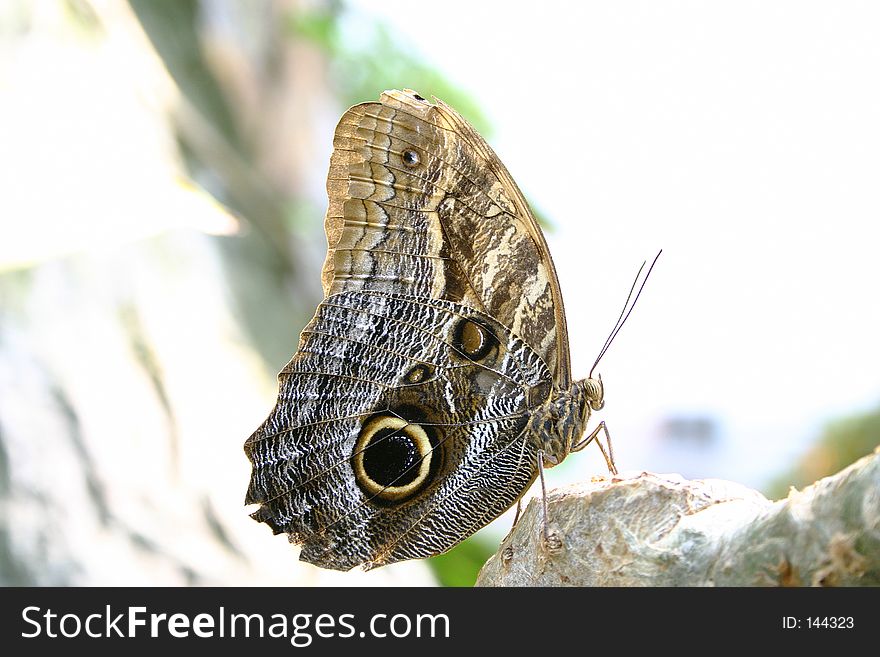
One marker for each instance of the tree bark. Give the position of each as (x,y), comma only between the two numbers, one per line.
(662,530)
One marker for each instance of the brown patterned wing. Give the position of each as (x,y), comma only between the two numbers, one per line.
(401,425)
(421,205)
(399,430)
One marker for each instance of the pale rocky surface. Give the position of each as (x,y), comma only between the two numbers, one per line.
(645,529)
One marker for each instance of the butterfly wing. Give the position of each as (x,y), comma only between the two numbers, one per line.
(399,424)
(420,204)
(374,367)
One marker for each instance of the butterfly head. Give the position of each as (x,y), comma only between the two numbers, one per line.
(595,392)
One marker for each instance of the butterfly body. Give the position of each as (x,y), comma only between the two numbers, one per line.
(435,373)
(559,423)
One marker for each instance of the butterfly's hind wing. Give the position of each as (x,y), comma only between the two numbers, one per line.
(450,373)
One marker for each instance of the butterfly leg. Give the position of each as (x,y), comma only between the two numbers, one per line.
(609,455)
(543,496)
(515,518)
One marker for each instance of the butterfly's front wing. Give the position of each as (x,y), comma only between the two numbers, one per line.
(420,205)
(398,430)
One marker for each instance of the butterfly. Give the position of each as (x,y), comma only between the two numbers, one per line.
(434,382)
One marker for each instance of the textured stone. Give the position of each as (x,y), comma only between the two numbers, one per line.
(647,529)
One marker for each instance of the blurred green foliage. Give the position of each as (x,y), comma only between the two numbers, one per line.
(461,565)
(843,442)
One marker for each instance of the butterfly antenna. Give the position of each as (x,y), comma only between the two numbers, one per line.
(627,308)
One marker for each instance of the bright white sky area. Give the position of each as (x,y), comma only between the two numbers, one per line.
(743,139)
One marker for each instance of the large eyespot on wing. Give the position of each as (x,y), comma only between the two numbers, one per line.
(420,205)
(394,458)
(389,440)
